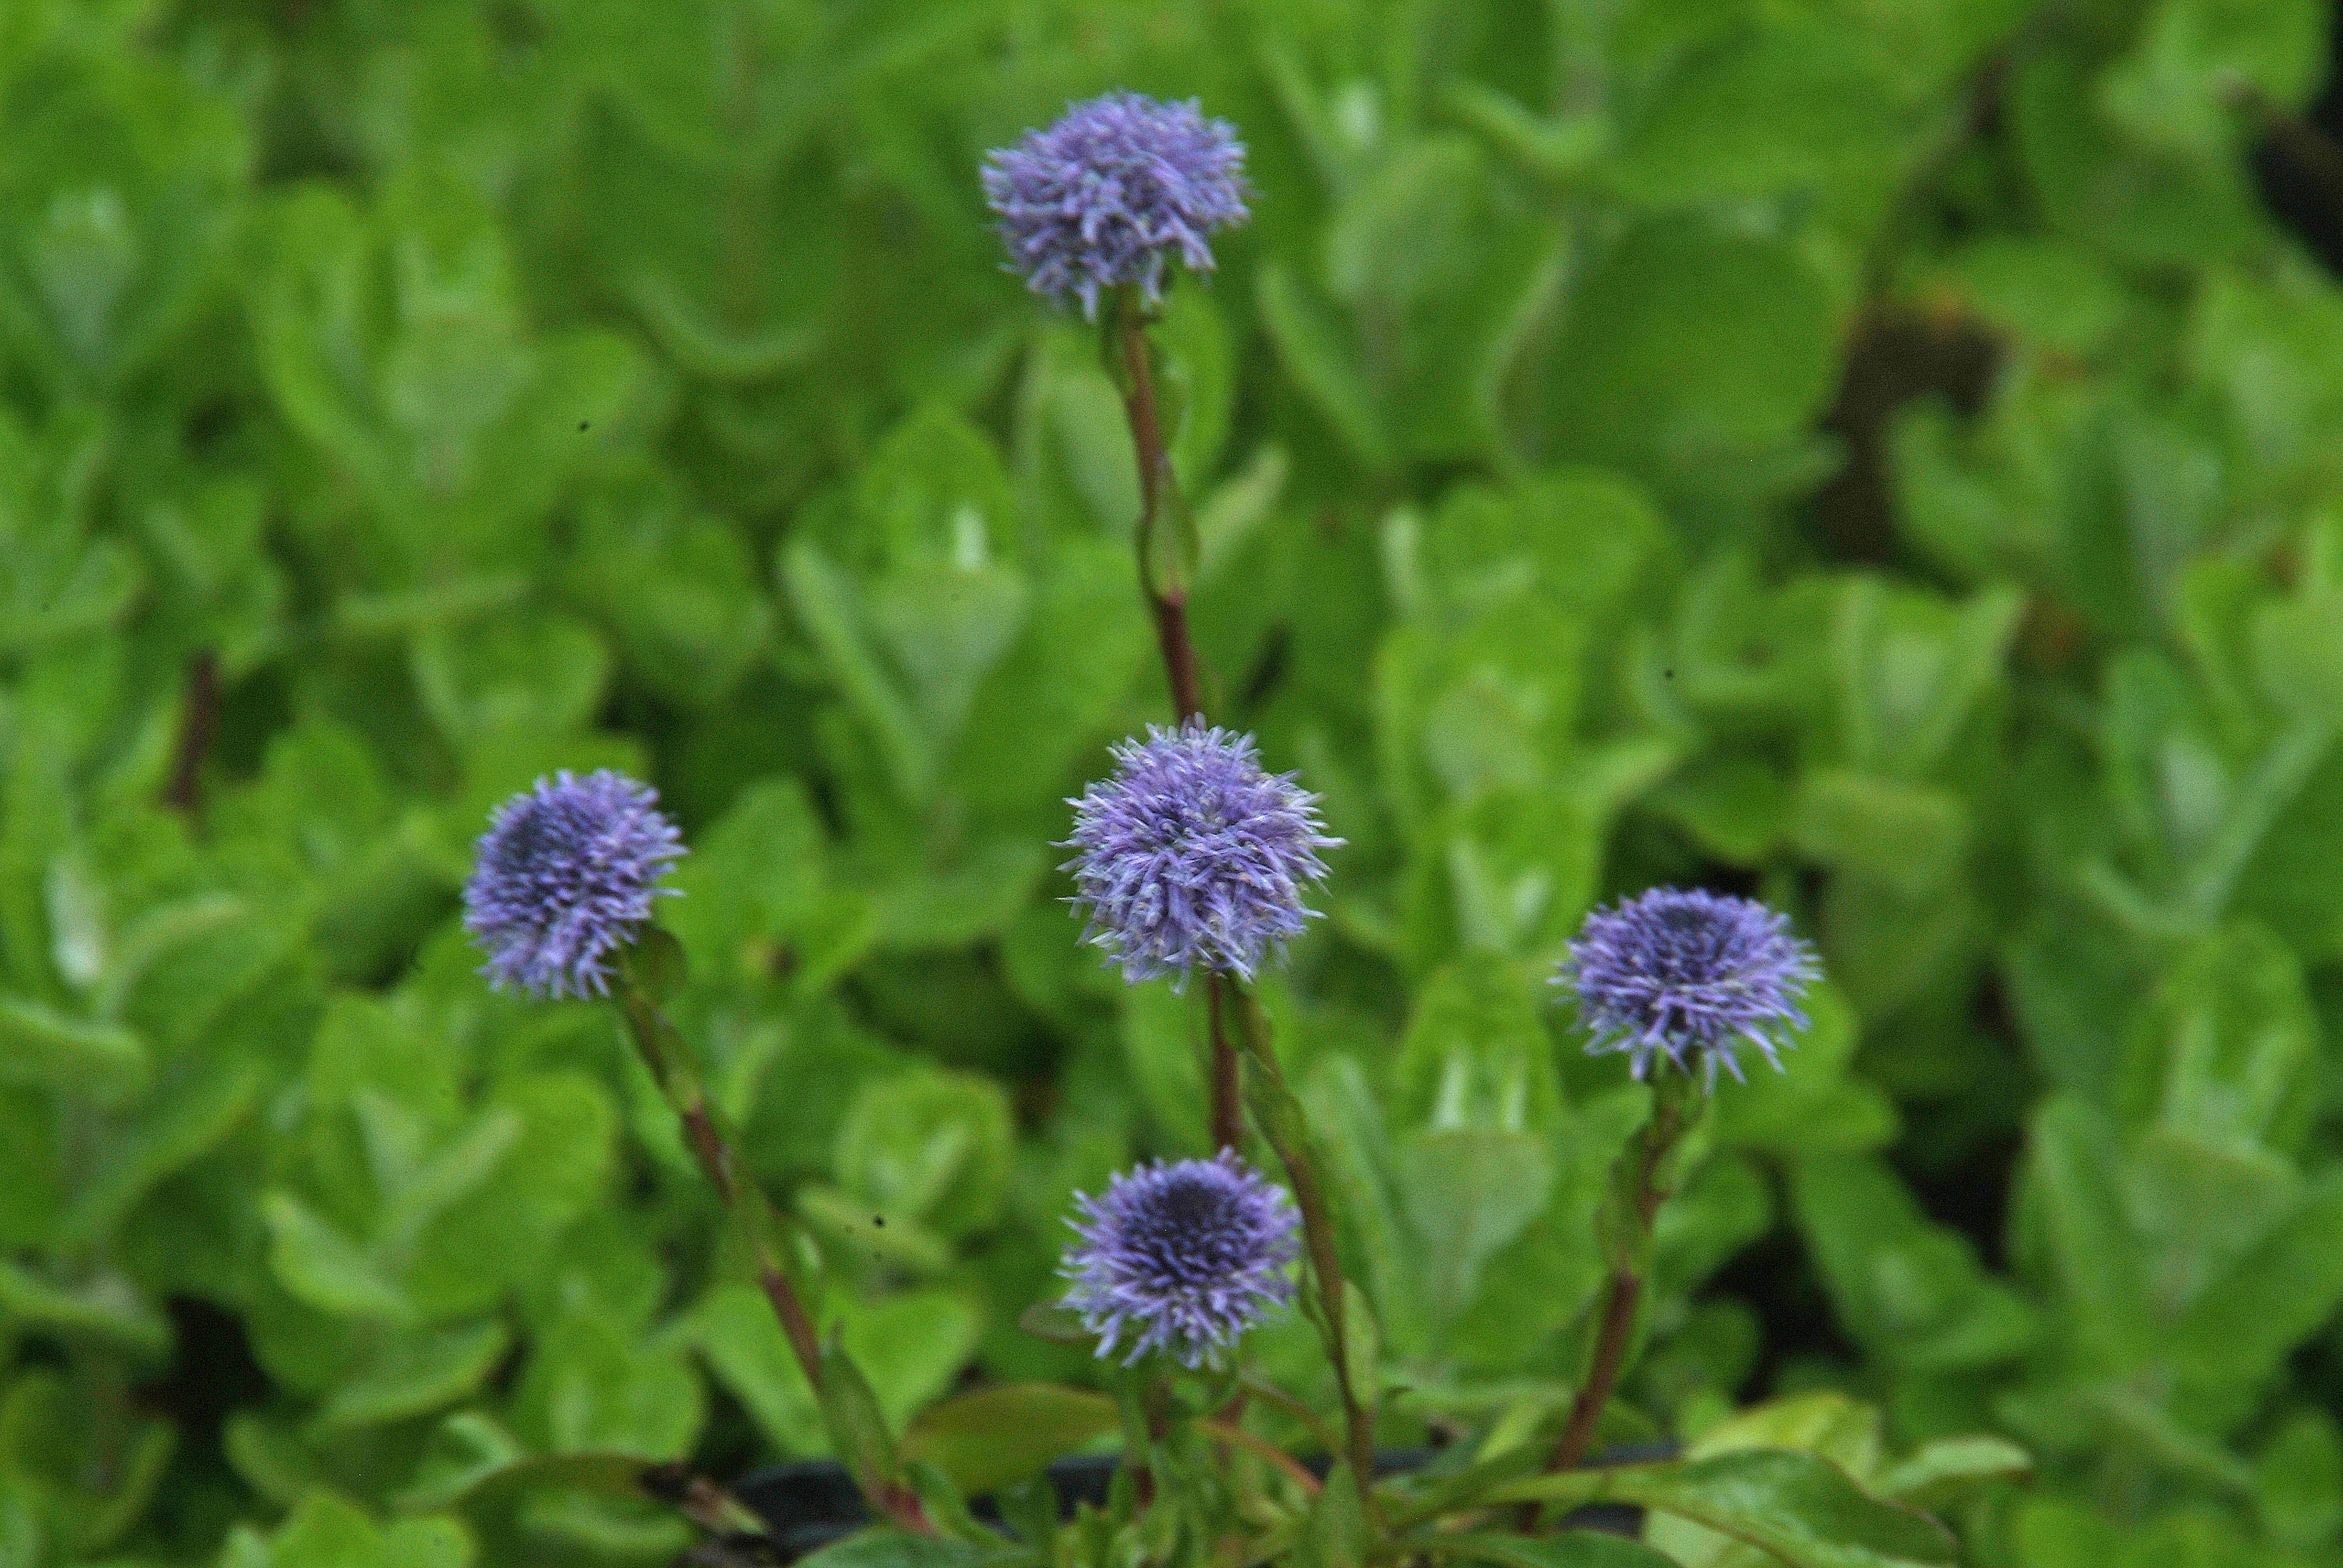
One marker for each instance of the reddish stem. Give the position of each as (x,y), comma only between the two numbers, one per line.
(198,722)
(1167,603)
(1228,1101)
(1615,1334)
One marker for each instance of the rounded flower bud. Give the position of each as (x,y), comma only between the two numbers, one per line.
(1101,198)
(1691,973)
(1183,1258)
(565,873)
(1191,856)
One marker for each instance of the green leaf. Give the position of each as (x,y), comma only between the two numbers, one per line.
(322,1266)
(510,675)
(885,1547)
(1813,1105)
(859,1431)
(491,1226)
(956,906)
(1476,1053)
(1562,1549)
(325,1531)
(2270,1299)
(1778,108)
(1687,345)
(910,1346)
(995,1437)
(656,962)
(2224,1051)
(1949,1468)
(1910,670)
(824,599)
(2181,84)
(931,1145)
(1909,837)
(1058,1324)
(1513,873)
(592,1387)
(107,1308)
(2139,203)
(1558,150)
(1467,1192)
(1336,1535)
(1733,807)
(945,626)
(416,1376)
(38,1044)
(472,1464)
(1165,1044)
(1306,342)
(2071,1166)
(1802,1509)
(1911,1291)
(1399,232)
(2298,1481)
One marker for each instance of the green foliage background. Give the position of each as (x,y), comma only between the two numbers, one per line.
(1878,454)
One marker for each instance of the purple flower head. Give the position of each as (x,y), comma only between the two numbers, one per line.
(1191,855)
(1688,972)
(1118,183)
(1181,1257)
(564,874)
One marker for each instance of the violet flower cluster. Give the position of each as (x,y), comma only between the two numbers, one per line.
(1690,973)
(1116,185)
(1181,1257)
(563,877)
(1192,856)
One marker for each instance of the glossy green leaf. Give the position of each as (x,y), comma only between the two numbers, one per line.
(990,1438)
(1802,1509)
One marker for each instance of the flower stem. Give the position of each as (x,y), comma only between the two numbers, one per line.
(1640,1182)
(1279,1116)
(1166,545)
(664,1053)
(1228,1099)
(1167,565)
(198,725)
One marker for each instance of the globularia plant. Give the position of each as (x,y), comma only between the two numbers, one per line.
(1192,858)
(560,896)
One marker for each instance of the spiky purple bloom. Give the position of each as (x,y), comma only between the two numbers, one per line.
(1183,1257)
(1118,184)
(1191,856)
(565,873)
(1691,973)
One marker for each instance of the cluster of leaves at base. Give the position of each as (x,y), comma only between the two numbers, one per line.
(397,402)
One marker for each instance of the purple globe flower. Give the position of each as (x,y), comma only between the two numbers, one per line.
(1183,1257)
(1191,856)
(1103,196)
(1688,972)
(564,874)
